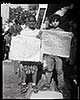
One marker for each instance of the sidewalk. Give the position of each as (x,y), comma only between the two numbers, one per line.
(11,90)
(46,95)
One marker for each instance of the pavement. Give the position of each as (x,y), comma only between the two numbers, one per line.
(11,89)
(46,95)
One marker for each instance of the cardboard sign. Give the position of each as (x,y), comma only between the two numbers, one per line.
(25,47)
(57,43)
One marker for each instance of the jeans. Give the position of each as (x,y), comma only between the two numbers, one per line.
(55,62)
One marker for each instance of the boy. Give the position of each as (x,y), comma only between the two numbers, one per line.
(51,61)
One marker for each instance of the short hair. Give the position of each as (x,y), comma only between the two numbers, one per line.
(53,17)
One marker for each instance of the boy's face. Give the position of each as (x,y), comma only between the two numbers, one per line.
(55,23)
(32,23)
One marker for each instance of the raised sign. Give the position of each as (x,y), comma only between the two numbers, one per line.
(56,42)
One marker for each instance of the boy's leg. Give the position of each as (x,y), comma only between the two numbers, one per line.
(50,67)
(23,78)
(21,75)
(40,83)
(60,73)
(48,76)
(34,76)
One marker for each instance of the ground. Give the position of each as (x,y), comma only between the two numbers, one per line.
(11,89)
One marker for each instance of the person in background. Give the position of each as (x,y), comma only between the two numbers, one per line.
(7,38)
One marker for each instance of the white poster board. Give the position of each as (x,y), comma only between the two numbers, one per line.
(25,47)
(56,43)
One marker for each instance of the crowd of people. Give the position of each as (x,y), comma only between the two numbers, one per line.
(50,62)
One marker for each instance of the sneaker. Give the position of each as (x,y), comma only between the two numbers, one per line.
(60,90)
(44,88)
(36,90)
(24,90)
(23,84)
(33,85)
